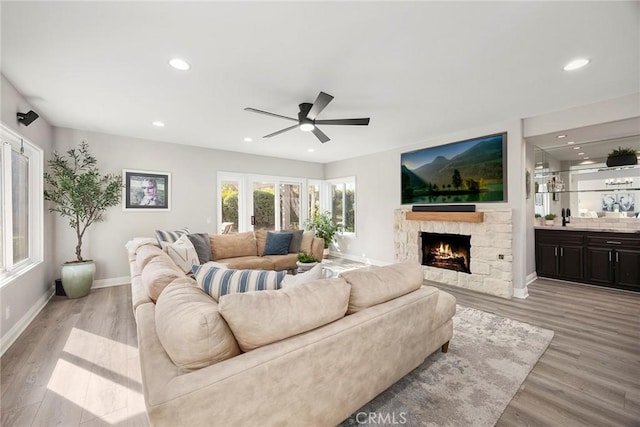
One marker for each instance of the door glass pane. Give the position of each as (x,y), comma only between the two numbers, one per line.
(229,195)
(314,199)
(264,212)
(20,208)
(289,206)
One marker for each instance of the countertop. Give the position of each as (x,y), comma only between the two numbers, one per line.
(593,230)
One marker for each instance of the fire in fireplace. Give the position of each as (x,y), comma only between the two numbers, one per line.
(450,251)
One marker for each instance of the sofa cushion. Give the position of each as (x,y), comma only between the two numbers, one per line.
(314,273)
(249,263)
(445,309)
(202,244)
(232,245)
(375,285)
(182,253)
(158,273)
(146,253)
(170,236)
(277,243)
(221,281)
(190,328)
(282,262)
(307,239)
(261,318)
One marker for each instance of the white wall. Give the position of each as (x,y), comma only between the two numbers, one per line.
(23,298)
(378,194)
(193,191)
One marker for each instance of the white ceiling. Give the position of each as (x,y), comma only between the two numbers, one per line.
(418,69)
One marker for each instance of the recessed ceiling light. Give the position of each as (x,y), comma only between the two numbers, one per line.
(561,136)
(580,154)
(575,64)
(586,158)
(311,150)
(248,139)
(179,64)
(571,142)
(158,123)
(576,148)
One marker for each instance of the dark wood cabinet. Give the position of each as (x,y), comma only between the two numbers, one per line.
(560,254)
(598,258)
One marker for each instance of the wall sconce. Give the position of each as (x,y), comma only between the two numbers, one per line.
(27,118)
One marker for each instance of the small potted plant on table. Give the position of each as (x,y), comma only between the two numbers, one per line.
(80,193)
(306,262)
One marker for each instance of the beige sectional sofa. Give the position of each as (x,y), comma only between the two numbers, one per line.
(309,354)
(244,251)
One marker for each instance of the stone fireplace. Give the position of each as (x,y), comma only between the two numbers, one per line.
(490,259)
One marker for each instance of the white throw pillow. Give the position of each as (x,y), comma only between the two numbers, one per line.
(183,253)
(308,276)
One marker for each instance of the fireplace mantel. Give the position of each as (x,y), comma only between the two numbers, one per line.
(446,216)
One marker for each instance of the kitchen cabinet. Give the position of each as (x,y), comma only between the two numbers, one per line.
(594,257)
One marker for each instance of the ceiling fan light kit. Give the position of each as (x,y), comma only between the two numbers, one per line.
(306,120)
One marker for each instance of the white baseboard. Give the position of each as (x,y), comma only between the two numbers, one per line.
(358,258)
(521,293)
(531,278)
(115,281)
(12,335)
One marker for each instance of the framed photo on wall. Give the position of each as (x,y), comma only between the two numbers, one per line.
(146,190)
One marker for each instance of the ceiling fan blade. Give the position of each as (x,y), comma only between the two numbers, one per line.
(253,110)
(319,104)
(361,122)
(281,131)
(320,135)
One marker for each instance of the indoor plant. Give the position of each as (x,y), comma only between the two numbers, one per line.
(81,194)
(306,262)
(549,218)
(324,226)
(622,156)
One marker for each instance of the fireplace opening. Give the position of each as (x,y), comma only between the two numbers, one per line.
(450,251)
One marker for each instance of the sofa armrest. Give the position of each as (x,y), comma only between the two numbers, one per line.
(317,247)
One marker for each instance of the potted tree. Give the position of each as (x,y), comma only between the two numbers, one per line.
(622,157)
(324,226)
(81,194)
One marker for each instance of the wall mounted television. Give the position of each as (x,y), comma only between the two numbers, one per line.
(469,171)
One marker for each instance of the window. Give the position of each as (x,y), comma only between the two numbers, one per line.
(21,200)
(343,203)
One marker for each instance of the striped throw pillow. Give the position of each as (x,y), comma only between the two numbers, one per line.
(170,236)
(218,281)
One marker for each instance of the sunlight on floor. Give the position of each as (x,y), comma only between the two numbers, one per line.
(99,375)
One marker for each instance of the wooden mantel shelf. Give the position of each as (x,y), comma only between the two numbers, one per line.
(446,216)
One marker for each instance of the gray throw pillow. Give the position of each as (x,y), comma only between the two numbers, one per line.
(203,246)
(296,240)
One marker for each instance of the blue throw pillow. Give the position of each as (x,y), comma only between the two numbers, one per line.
(277,243)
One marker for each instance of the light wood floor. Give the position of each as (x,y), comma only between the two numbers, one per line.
(77,364)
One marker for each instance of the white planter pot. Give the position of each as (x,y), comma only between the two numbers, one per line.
(77,278)
(305,266)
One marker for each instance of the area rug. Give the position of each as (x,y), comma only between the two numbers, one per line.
(489,357)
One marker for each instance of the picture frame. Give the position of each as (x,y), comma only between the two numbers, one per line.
(146,190)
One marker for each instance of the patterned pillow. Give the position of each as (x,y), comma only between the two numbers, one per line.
(183,253)
(218,281)
(170,236)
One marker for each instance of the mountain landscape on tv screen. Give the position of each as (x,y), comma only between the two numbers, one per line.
(474,175)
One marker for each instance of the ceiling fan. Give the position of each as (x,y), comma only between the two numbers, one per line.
(306,120)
